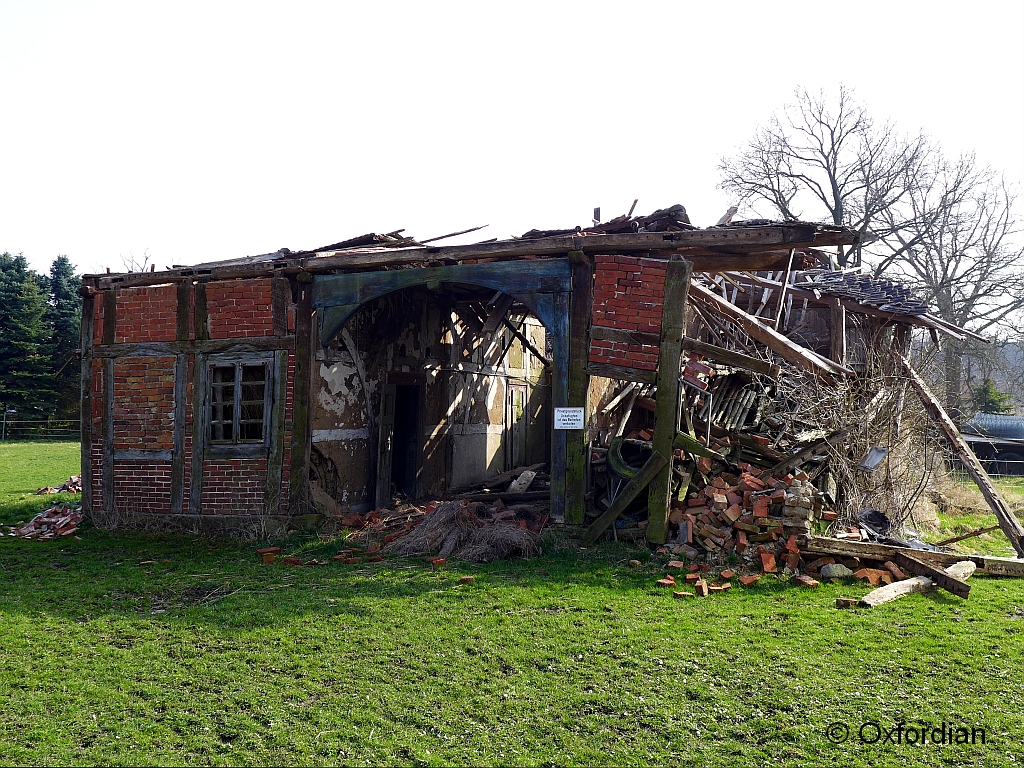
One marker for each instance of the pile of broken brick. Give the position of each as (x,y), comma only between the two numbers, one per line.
(55,522)
(73,485)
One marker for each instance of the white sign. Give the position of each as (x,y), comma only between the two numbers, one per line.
(568,418)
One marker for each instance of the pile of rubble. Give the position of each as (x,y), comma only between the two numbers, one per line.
(61,520)
(73,485)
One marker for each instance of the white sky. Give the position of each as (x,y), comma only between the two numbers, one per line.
(201,131)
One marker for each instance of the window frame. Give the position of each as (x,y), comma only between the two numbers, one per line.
(238,448)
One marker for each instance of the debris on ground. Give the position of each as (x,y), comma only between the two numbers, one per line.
(58,521)
(73,485)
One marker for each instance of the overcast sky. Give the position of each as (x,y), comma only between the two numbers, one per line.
(200,131)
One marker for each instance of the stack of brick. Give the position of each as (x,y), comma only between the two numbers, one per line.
(58,521)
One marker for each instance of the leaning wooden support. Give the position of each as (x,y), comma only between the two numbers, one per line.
(631,490)
(914,565)
(959,572)
(1008,522)
(666,414)
(788,350)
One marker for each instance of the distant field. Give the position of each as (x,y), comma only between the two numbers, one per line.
(27,466)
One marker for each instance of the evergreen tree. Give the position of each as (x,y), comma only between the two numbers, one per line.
(26,382)
(988,399)
(63,316)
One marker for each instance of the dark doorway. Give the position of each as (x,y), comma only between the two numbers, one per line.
(405,445)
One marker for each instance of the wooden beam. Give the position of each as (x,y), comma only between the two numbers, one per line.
(968,535)
(107,432)
(994,566)
(630,491)
(1008,522)
(788,350)
(200,422)
(581,306)
(911,564)
(201,320)
(526,341)
(960,571)
(804,454)
(86,331)
(837,350)
(301,434)
(498,313)
(622,373)
(666,415)
(183,319)
(200,347)
(141,454)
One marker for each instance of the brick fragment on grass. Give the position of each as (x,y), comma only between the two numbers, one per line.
(467,579)
(895,570)
(676,565)
(806,581)
(701,588)
(437,563)
(679,595)
(727,574)
(269,550)
(845,602)
(292,561)
(268,558)
(668,582)
(749,581)
(768,563)
(634,563)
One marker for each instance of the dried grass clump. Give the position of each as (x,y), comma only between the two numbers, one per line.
(497,542)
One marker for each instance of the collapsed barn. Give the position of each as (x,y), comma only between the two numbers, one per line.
(635,365)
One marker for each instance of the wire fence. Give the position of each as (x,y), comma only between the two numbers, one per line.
(12,430)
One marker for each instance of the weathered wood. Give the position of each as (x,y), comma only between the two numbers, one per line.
(837,347)
(918,567)
(968,535)
(959,571)
(183,315)
(526,342)
(386,421)
(107,429)
(618,398)
(559,327)
(508,497)
(782,291)
(199,347)
(86,331)
(630,491)
(716,249)
(622,373)
(200,424)
(1008,522)
(994,566)
(201,316)
(803,455)
(522,483)
(109,317)
(666,415)
(498,313)
(301,434)
(280,293)
(141,454)
(788,350)
(581,306)
(276,427)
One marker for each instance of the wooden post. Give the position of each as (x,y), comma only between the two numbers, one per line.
(280,294)
(666,414)
(649,472)
(581,305)
(199,414)
(183,318)
(838,348)
(559,399)
(86,331)
(107,423)
(1009,523)
(299,471)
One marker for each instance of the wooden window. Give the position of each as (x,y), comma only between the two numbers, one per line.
(239,403)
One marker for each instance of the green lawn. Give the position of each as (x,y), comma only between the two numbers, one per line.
(572,658)
(26,467)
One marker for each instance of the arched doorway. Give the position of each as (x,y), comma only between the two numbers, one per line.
(403,372)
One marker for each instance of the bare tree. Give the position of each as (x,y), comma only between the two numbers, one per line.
(828,157)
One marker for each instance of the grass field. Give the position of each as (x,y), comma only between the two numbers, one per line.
(206,656)
(26,467)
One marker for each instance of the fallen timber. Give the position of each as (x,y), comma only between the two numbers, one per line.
(959,572)
(993,566)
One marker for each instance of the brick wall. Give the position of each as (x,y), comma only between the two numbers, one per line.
(144,403)
(143,487)
(234,486)
(628,294)
(146,314)
(239,308)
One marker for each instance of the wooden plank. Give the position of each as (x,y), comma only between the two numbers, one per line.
(911,564)
(109,317)
(526,342)
(507,497)
(498,313)
(183,319)
(386,422)
(142,454)
(1008,522)
(559,329)
(301,434)
(522,483)
(996,566)
(200,423)
(803,455)
(666,414)
(276,427)
(622,373)
(86,331)
(630,491)
(199,347)
(107,431)
(201,316)
(838,336)
(788,350)
(968,535)
(959,571)
(280,294)
(581,305)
